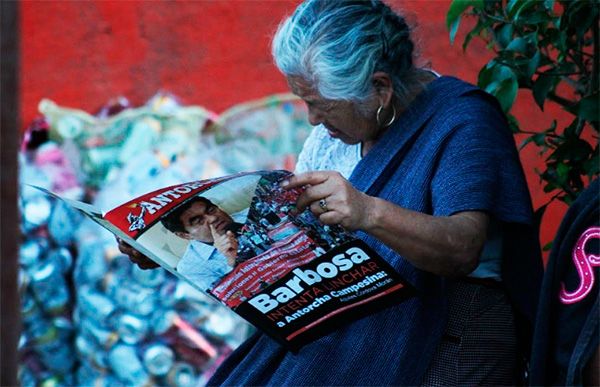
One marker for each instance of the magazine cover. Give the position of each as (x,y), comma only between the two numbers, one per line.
(239,239)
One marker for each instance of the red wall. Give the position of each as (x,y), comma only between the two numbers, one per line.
(209,53)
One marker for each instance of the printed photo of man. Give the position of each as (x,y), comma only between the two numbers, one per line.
(212,232)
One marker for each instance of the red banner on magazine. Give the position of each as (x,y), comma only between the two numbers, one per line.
(345,283)
(137,215)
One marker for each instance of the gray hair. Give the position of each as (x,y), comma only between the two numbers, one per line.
(338,45)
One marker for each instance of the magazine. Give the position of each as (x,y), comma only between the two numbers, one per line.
(240,239)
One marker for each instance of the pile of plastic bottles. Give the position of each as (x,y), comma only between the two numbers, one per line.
(90,317)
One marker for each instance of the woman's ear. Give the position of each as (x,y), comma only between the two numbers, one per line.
(384,87)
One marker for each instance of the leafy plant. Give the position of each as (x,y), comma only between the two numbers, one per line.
(551,48)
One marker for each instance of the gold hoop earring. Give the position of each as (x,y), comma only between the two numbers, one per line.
(390,122)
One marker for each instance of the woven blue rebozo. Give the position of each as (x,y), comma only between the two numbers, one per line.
(450,151)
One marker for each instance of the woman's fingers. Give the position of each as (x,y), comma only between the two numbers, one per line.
(142,261)
(319,185)
(331,218)
(316,209)
(145,263)
(135,256)
(308,178)
(312,195)
(330,197)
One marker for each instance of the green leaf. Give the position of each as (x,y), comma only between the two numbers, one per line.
(503,35)
(513,123)
(492,86)
(502,72)
(541,88)
(518,45)
(533,64)
(534,18)
(504,86)
(486,74)
(507,93)
(454,30)
(587,109)
(457,7)
(501,82)
(514,8)
(549,188)
(550,176)
(455,11)
(562,46)
(563,171)
(474,32)
(549,36)
(538,139)
(556,175)
(566,67)
(512,5)
(581,16)
(572,149)
(591,167)
(570,130)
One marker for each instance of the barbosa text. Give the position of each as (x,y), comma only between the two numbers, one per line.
(293,287)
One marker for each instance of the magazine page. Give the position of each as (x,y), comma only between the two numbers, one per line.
(96,215)
(239,239)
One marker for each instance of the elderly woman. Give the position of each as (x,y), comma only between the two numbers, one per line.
(427,173)
(424,168)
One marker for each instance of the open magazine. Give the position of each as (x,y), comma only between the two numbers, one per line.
(239,239)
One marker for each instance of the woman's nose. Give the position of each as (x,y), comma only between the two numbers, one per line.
(314,117)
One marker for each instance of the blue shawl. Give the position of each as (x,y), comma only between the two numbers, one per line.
(450,151)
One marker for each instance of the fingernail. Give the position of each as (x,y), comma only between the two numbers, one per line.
(285,183)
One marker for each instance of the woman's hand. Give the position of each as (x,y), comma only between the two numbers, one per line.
(227,244)
(332,199)
(135,256)
(443,245)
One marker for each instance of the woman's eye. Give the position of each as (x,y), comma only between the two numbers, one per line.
(327,106)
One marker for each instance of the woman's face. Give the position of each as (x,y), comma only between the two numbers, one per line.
(341,118)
